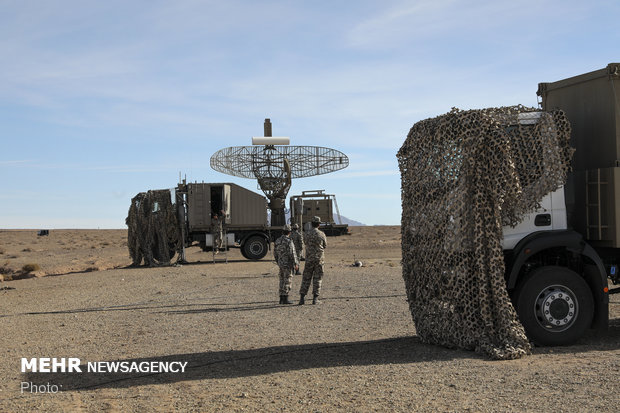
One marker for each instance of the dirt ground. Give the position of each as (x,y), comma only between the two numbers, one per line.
(358,351)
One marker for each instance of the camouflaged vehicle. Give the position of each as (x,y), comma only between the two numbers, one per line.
(560,258)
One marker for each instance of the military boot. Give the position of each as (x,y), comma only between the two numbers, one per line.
(302,300)
(284,300)
(315,299)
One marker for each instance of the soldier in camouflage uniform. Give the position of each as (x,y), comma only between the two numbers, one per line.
(298,240)
(217,231)
(313,270)
(286,257)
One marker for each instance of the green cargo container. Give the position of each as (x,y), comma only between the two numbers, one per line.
(591,102)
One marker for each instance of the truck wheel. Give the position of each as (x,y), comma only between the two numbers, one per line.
(255,248)
(555,306)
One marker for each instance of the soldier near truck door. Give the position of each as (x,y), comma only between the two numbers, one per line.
(217,229)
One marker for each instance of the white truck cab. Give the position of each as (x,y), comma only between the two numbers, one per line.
(549,217)
(557,281)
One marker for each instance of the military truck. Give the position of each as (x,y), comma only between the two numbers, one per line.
(560,258)
(162,223)
(317,203)
(172,219)
(244,215)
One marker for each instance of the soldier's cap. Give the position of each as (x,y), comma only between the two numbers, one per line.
(316,219)
(287,228)
(295,226)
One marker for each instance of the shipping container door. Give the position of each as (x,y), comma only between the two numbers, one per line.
(199,202)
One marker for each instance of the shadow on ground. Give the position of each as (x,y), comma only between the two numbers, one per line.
(594,340)
(255,362)
(190,308)
(277,359)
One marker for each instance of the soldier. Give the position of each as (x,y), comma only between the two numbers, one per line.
(313,271)
(286,257)
(298,240)
(217,229)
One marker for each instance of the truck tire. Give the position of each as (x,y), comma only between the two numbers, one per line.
(255,248)
(555,306)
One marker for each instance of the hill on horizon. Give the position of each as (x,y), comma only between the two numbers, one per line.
(343,219)
(351,222)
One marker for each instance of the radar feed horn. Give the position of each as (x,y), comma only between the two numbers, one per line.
(270,140)
(275,164)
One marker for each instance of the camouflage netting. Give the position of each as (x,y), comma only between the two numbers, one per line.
(153,230)
(464,175)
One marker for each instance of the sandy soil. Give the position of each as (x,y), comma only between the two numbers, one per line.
(358,351)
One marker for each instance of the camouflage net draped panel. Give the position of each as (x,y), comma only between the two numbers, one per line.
(153,230)
(464,175)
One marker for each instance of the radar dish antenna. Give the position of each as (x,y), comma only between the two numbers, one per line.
(274,164)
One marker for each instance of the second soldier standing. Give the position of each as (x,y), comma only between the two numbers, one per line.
(298,240)
(316,242)
(286,257)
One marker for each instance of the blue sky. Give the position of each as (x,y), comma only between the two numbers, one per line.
(100,100)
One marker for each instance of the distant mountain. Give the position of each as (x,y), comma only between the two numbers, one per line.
(350,222)
(344,220)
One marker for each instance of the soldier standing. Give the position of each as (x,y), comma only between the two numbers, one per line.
(313,270)
(286,257)
(217,229)
(298,240)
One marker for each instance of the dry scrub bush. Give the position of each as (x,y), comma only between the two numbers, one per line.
(31,267)
(6,271)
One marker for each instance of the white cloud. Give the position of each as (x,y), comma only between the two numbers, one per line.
(423,21)
(127,83)
(402,20)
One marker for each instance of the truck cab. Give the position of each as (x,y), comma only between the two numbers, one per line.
(551,216)
(560,258)
(557,281)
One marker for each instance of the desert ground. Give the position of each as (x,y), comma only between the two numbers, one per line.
(72,294)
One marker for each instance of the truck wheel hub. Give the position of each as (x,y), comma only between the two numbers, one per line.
(556,306)
(256,247)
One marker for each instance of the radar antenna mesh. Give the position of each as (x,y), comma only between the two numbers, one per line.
(275,165)
(268,161)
